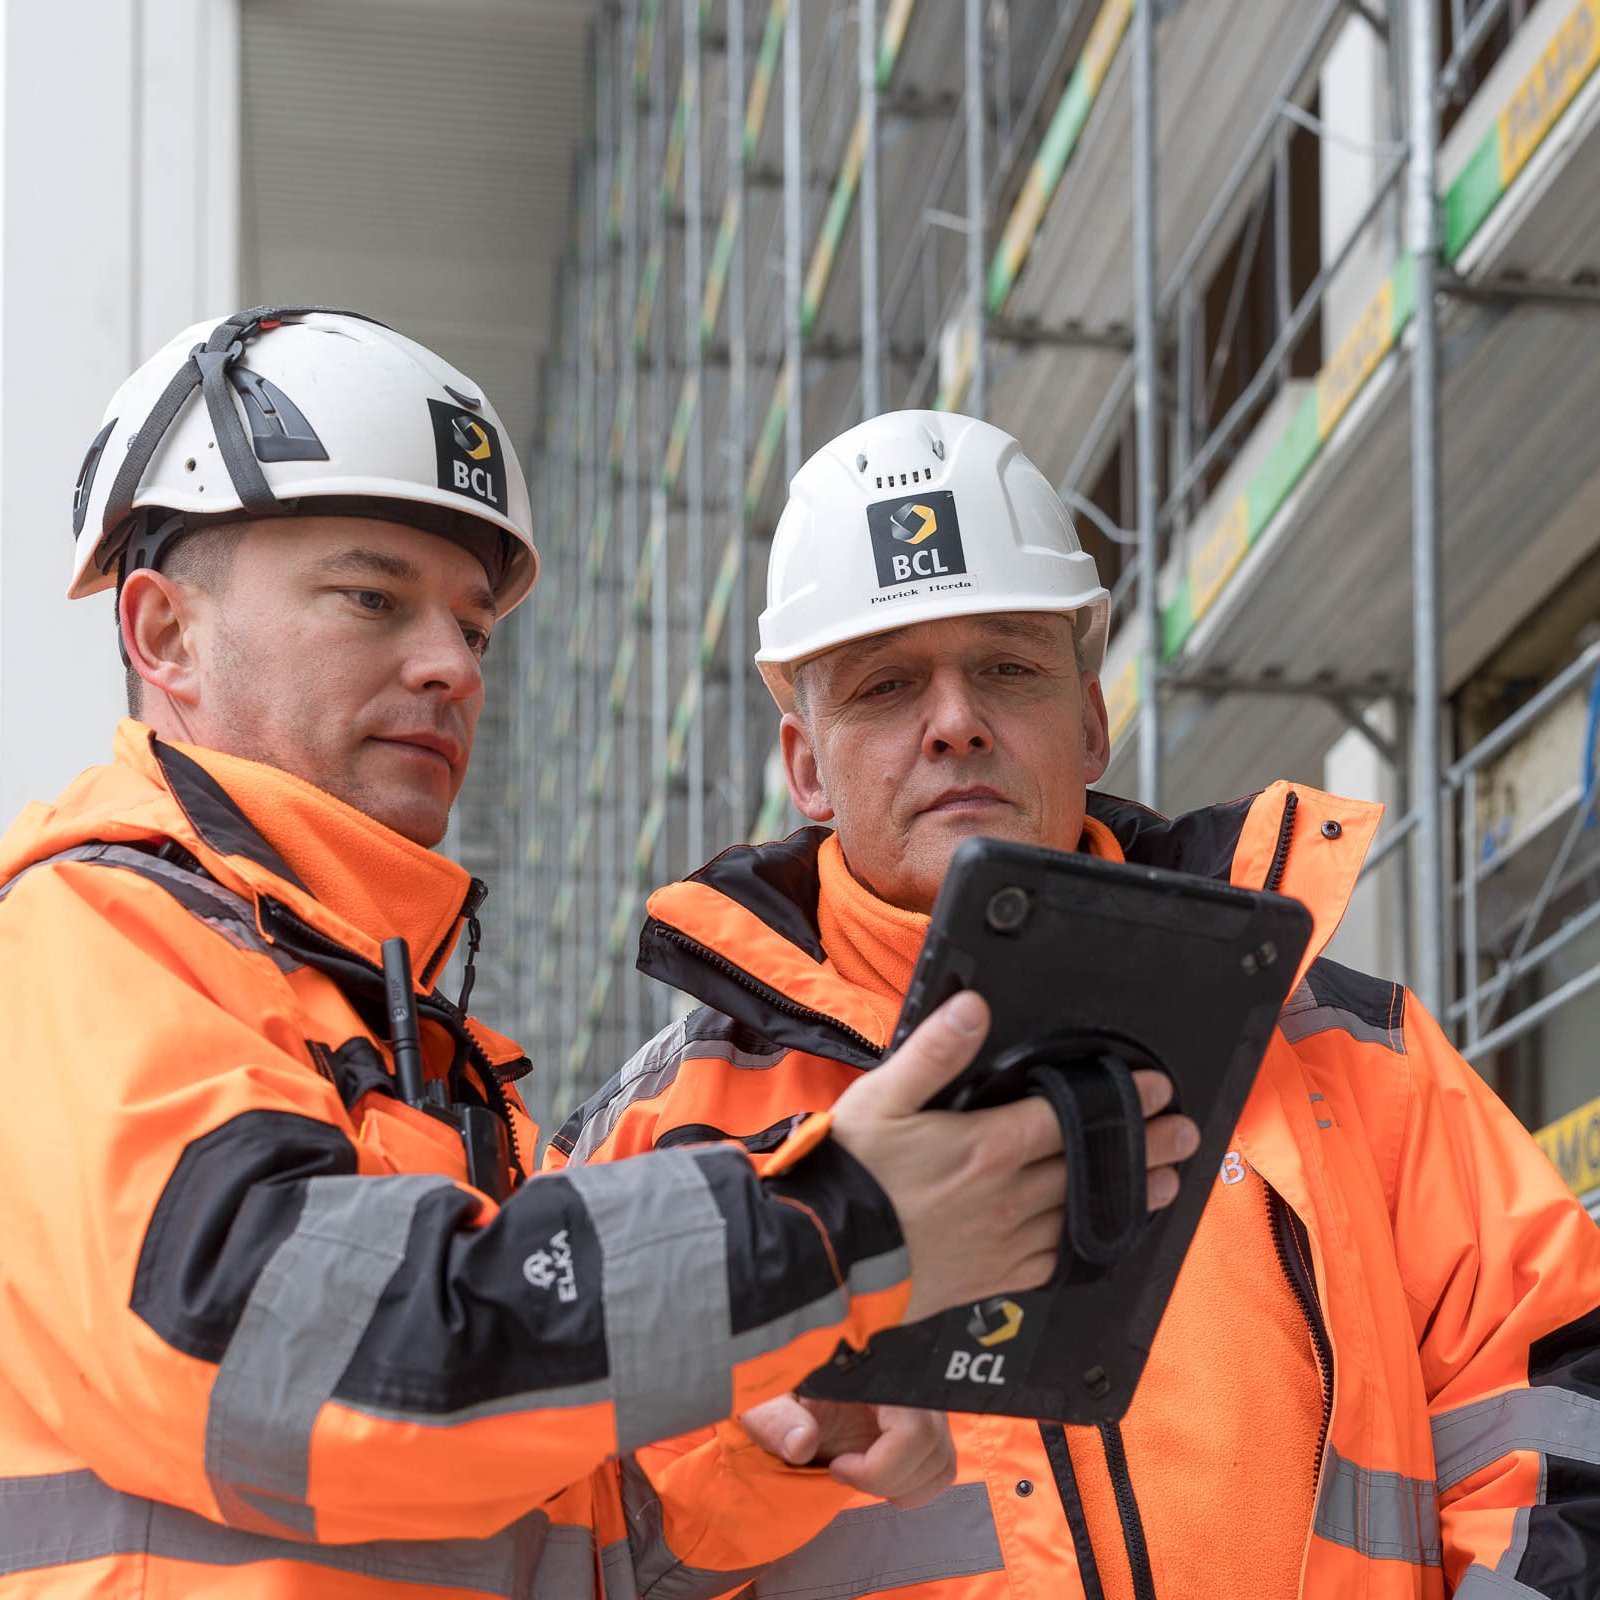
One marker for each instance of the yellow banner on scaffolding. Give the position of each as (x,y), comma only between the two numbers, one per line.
(1573,1143)
(1358,353)
(1222,550)
(1122,698)
(1103,40)
(1548,88)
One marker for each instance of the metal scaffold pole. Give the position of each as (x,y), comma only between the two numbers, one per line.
(602,627)
(1422,210)
(694,477)
(660,422)
(793,229)
(867,209)
(978,389)
(738,429)
(1144,396)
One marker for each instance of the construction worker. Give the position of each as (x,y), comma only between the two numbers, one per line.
(1379,1373)
(279,1313)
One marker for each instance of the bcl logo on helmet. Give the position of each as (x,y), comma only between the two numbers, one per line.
(917,539)
(469,457)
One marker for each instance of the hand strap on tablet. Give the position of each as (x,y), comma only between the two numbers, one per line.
(1102,1133)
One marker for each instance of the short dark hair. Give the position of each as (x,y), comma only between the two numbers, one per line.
(203,557)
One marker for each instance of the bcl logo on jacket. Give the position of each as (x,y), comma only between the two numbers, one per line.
(468,454)
(916,540)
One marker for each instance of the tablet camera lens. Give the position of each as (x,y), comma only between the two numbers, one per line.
(1008,909)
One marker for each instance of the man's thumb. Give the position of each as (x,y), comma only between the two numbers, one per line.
(940,1046)
(784,1428)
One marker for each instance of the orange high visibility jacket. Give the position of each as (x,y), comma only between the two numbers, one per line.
(1449,1287)
(258,1335)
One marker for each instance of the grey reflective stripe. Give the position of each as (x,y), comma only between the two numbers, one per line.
(65,1517)
(1479,1583)
(1385,1515)
(305,1316)
(656,1570)
(652,1070)
(617,1581)
(881,1547)
(1550,1420)
(1302,1016)
(203,898)
(858,1553)
(664,1293)
(566,1566)
(865,1277)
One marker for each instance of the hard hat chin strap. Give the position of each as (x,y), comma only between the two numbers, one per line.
(207,370)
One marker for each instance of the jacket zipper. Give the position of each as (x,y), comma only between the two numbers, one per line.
(477,893)
(1133,1538)
(1060,1458)
(1294,1257)
(1280,854)
(434,1006)
(1133,1541)
(778,1002)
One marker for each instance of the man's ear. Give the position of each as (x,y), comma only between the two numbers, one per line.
(800,768)
(157,618)
(1096,730)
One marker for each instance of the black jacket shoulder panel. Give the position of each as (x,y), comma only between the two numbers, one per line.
(778,882)
(1378,1002)
(217,819)
(1199,842)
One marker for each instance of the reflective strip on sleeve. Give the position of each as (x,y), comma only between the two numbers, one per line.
(1547,1419)
(1479,1583)
(871,1276)
(305,1316)
(67,1517)
(664,1291)
(1384,1515)
(858,1553)
(1303,1016)
(882,1547)
(649,1074)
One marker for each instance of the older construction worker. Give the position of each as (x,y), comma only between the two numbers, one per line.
(1379,1374)
(281,1311)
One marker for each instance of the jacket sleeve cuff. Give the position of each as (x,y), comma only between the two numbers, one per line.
(802,1140)
(858,1222)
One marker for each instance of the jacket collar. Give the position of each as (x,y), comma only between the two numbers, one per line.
(270,834)
(742,933)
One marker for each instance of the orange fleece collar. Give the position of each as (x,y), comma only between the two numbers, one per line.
(375,882)
(874,945)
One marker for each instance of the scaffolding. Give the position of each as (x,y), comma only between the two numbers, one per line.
(1325,433)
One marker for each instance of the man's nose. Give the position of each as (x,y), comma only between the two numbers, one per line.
(955,722)
(440,659)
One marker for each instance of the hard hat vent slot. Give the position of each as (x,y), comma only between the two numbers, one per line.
(889,480)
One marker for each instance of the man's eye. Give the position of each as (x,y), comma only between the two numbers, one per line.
(1011,669)
(374,600)
(882,687)
(477,640)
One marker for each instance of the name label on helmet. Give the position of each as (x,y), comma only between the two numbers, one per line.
(469,456)
(916,538)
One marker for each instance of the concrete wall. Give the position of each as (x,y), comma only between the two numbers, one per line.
(119,205)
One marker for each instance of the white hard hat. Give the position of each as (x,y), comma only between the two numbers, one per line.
(911,517)
(299,410)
